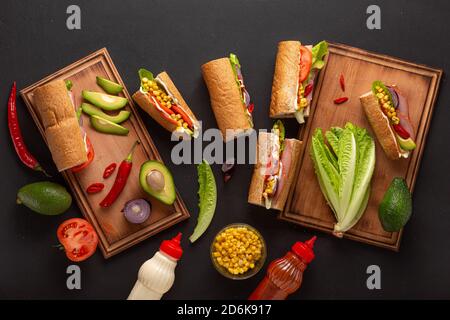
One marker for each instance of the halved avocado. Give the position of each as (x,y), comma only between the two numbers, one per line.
(105,101)
(406,144)
(109,86)
(156,180)
(92,110)
(105,126)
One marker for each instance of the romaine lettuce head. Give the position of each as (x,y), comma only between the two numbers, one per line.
(344,171)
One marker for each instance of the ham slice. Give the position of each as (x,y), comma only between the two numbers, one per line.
(286,158)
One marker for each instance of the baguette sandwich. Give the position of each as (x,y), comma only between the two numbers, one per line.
(159,97)
(230,99)
(387,112)
(65,137)
(296,68)
(274,171)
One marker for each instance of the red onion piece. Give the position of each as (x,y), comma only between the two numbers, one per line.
(137,211)
(395,99)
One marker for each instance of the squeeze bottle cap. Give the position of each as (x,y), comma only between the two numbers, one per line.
(305,250)
(172,247)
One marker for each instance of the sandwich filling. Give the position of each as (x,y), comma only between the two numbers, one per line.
(274,166)
(245,96)
(311,61)
(166,103)
(394,106)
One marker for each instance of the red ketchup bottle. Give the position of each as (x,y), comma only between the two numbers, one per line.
(284,276)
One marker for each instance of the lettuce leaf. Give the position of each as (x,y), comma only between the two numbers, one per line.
(344,172)
(319,51)
(234,61)
(207,193)
(144,73)
(385,89)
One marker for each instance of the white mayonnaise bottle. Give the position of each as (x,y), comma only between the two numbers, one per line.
(156,276)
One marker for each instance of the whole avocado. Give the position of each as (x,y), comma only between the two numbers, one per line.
(45,197)
(396,207)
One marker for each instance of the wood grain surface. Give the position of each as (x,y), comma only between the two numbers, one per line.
(306,204)
(115,233)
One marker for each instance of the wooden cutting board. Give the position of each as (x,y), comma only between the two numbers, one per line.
(306,205)
(115,233)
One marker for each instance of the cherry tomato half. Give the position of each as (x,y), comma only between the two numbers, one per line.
(78,238)
(305,63)
(90,157)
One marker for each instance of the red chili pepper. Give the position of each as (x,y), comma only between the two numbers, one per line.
(340,100)
(121,179)
(342,82)
(95,188)
(308,90)
(109,170)
(16,135)
(401,131)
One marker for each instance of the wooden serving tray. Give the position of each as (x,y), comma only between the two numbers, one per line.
(115,233)
(306,205)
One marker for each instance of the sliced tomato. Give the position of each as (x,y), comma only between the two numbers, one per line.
(78,238)
(183,115)
(90,157)
(305,63)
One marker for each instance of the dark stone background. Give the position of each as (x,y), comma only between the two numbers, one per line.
(179,36)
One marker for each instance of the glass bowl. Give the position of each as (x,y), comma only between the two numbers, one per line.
(258,264)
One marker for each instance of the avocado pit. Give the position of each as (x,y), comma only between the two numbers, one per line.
(155,180)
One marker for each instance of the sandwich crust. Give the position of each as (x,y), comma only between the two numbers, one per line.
(225,96)
(61,127)
(380,125)
(285,80)
(257,183)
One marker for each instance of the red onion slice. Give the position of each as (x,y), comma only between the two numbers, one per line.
(395,98)
(137,211)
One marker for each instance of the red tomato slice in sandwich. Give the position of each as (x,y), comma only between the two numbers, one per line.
(90,157)
(78,238)
(305,63)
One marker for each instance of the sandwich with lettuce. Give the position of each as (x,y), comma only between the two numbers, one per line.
(230,100)
(296,69)
(159,97)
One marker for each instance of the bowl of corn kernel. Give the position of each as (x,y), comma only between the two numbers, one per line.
(238,251)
